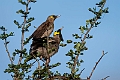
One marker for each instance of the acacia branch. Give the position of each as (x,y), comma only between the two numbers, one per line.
(8,51)
(105,77)
(96,65)
(81,71)
(22,37)
(84,38)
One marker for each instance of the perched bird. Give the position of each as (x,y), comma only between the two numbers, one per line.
(40,48)
(46,28)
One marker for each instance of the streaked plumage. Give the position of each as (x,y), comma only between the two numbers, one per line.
(39,45)
(46,28)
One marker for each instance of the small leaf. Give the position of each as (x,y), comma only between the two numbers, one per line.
(82,29)
(69,41)
(30,19)
(29,8)
(63,45)
(33,1)
(20,11)
(81,61)
(3,28)
(81,53)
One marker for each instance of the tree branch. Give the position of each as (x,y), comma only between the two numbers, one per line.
(22,37)
(82,71)
(105,77)
(83,40)
(8,51)
(96,65)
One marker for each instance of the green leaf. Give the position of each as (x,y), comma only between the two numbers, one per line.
(76,70)
(11,34)
(66,74)
(81,53)
(22,2)
(62,44)
(81,61)
(54,65)
(106,10)
(78,64)
(82,29)
(87,22)
(76,35)
(69,41)
(17,23)
(77,46)
(33,1)
(20,11)
(30,19)
(3,28)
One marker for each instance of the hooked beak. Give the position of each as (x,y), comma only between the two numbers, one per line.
(58,16)
(61,27)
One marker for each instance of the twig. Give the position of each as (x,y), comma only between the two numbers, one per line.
(22,37)
(81,71)
(76,58)
(8,51)
(37,61)
(96,65)
(105,77)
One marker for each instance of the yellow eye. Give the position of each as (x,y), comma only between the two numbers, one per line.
(55,33)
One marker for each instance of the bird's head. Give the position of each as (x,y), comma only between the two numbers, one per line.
(58,34)
(52,18)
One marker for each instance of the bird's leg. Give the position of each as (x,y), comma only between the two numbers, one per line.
(48,59)
(47,62)
(36,60)
(41,57)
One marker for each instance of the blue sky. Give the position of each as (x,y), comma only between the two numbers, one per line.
(73,14)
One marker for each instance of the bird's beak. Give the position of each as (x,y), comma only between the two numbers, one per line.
(58,16)
(61,28)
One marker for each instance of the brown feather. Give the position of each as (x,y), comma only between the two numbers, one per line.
(42,29)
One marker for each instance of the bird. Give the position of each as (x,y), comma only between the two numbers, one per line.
(40,48)
(46,28)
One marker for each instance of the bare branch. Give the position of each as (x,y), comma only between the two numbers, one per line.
(96,65)
(8,51)
(105,77)
(82,71)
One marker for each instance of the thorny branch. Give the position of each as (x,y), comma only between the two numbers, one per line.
(22,37)
(8,51)
(6,47)
(76,58)
(105,77)
(82,71)
(96,65)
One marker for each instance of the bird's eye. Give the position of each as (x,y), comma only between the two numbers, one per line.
(52,17)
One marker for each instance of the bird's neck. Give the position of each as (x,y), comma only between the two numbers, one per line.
(50,20)
(57,39)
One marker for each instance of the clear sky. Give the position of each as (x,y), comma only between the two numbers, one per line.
(73,13)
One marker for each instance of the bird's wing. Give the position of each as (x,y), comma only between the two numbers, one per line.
(40,30)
